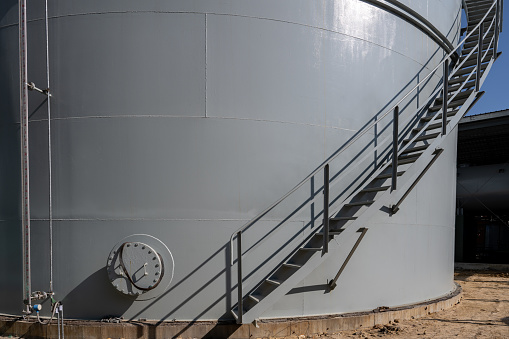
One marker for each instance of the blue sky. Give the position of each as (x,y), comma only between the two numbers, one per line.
(496,85)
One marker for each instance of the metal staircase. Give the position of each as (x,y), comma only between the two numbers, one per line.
(411,152)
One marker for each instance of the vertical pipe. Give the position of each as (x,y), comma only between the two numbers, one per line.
(25,175)
(395,134)
(58,320)
(62,319)
(239,275)
(479,58)
(325,209)
(50,191)
(445,95)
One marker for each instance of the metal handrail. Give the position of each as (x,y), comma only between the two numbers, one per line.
(325,164)
(359,135)
(428,28)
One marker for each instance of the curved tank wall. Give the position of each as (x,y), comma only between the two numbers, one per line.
(184,119)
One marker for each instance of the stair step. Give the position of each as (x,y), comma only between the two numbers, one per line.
(473,22)
(342,218)
(475,17)
(457,85)
(461,95)
(473,62)
(466,51)
(429,117)
(407,160)
(464,71)
(388,175)
(475,37)
(478,9)
(430,127)
(415,149)
(376,189)
(458,81)
(333,232)
(292,265)
(274,281)
(360,203)
(471,44)
(313,249)
(455,103)
(252,297)
(424,137)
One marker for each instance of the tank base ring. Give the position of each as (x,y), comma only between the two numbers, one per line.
(75,329)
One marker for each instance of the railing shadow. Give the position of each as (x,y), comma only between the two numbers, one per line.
(316,214)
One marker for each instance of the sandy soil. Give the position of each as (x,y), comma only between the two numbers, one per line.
(482,313)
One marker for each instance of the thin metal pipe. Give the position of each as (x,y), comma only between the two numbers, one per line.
(50,189)
(25,174)
(333,283)
(62,319)
(325,209)
(395,134)
(445,97)
(395,208)
(58,320)
(479,59)
(352,141)
(239,276)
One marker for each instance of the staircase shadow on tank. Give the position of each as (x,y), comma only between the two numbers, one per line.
(96,291)
(230,290)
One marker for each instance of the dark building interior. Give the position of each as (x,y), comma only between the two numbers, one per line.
(482,214)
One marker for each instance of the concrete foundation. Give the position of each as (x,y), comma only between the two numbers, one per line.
(210,329)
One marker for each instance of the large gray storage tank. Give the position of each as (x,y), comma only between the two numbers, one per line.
(175,122)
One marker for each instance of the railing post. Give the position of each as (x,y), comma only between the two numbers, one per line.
(479,58)
(497,21)
(239,275)
(445,95)
(325,209)
(501,15)
(395,134)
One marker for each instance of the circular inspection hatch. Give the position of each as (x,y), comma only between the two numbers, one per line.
(140,266)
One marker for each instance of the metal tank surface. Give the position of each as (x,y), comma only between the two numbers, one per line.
(173,123)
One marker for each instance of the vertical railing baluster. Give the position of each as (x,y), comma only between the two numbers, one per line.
(497,20)
(325,209)
(445,92)
(501,15)
(239,275)
(479,58)
(395,133)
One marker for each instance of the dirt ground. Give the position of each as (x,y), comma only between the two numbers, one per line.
(482,313)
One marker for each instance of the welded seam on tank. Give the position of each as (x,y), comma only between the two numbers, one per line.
(193,117)
(225,14)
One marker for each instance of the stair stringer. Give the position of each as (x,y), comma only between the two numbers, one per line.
(384,200)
